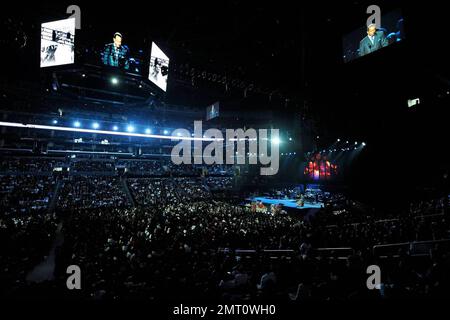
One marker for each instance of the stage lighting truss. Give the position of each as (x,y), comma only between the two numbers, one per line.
(106,132)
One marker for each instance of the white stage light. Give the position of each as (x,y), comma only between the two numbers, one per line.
(276,141)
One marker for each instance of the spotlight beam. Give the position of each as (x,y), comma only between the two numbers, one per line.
(117,133)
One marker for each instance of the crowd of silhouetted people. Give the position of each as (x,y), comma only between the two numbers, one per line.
(169,238)
(25,194)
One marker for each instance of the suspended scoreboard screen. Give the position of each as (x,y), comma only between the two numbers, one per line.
(58,43)
(159,67)
(368,39)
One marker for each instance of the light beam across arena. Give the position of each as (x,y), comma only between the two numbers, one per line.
(117,133)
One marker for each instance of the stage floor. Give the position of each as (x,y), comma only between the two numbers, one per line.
(290,203)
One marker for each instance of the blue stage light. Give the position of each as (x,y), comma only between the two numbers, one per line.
(77,124)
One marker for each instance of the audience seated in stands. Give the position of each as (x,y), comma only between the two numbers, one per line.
(180,244)
(91,192)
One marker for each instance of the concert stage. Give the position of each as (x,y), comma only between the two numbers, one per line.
(288,203)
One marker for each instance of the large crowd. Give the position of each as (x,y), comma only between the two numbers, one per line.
(149,167)
(23,194)
(91,192)
(24,241)
(152,191)
(30,165)
(92,166)
(192,189)
(219,183)
(180,243)
(134,167)
(191,251)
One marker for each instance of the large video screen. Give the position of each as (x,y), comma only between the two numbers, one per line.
(159,67)
(116,53)
(58,43)
(319,167)
(368,39)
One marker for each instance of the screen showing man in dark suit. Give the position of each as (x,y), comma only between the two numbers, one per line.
(367,39)
(374,40)
(116,54)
